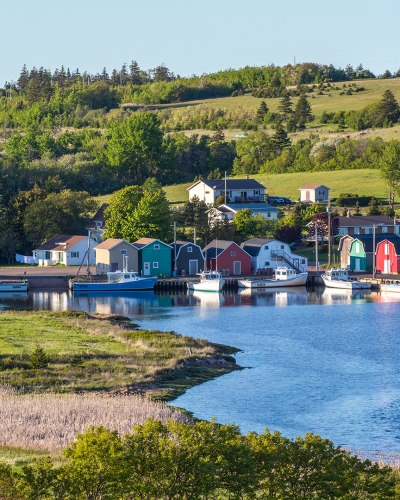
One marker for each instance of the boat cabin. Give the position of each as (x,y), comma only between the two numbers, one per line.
(284,273)
(337,274)
(122,276)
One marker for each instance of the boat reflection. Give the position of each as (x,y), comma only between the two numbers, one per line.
(207,299)
(343,296)
(282,296)
(124,303)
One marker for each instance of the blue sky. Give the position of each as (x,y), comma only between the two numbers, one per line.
(197,37)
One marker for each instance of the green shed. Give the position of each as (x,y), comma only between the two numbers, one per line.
(155,257)
(359,259)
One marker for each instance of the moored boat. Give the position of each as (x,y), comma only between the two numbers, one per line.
(116,281)
(284,276)
(339,278)
(390,287)
(210,281)
(14,285)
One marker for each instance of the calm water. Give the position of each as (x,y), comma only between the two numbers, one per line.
(322,362)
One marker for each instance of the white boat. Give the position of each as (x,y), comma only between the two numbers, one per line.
(339,278)
(210,281)
(390,287)
(284,276)
(14,285)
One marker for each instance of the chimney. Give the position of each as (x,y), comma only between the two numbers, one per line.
(348,213)
(247,176)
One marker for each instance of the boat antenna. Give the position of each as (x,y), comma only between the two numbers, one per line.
(88,255)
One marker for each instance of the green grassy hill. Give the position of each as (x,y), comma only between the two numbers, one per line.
(366,182)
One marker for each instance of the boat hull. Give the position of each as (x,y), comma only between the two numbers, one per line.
(14,286)
(207,286)
(99,286)
(346,284)
(390,287)
(299,280)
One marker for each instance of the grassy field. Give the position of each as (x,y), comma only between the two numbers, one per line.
(87,353)
(366,182)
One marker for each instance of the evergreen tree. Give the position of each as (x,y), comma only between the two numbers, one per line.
(389,107)
(123,75)
(38,358)
(23,79)
(114,77)
(134,73)
(104,75)
(373,207)
(302,112)
(285,106)
(280,139)
(262,111)
(357,211)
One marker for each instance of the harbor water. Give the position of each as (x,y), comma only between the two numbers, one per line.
(322,361)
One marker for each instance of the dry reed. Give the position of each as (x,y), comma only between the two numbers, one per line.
(51,421)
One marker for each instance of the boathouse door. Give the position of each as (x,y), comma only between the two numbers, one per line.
(146,268)
(386,266)
(357,265)
(193,267)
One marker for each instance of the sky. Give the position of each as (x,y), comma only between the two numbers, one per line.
(192,37)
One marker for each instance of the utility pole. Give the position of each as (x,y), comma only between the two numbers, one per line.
(225,189)
(316,246)
(328,209)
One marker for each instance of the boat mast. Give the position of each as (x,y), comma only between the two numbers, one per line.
(88,255)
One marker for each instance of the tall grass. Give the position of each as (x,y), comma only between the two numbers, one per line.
(50,421)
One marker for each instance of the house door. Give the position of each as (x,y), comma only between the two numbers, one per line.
(193,267)
(146,268)
(307,195)
(386,266)
(357,265)
(114,267)
(237,267)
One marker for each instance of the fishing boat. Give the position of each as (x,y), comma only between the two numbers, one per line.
(390,287)
(210,281)
(339,278)
(284,276)
(14,285)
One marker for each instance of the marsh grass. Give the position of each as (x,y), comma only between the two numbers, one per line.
(49,422)
(99,353)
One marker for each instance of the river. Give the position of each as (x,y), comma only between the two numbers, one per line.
(323,361)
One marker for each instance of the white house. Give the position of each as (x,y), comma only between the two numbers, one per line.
(237,190)
(268,253)
(314,193)
(228,211)
(65,249)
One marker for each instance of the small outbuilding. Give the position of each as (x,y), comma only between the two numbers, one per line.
(387,260)
(189,258)
(115,254)
(228,257)
(313,193)
(154,257)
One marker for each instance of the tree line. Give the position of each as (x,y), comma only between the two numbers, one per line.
(201,460)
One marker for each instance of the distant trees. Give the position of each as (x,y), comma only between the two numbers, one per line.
(390,168)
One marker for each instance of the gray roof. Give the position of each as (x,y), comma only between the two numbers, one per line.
(253,245)
(216,247)
(231,184)
(367,240)
(364,221)
(255,207)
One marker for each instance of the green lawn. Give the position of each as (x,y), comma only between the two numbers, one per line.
(87,352)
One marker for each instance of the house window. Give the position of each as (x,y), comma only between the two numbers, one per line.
(207,192)
(190,249)
(269,214)
(384,229)
(75,255)
(233,253)
(47,255)
(266,247)
(155,265)
(282,247)
(156,247)
(266,263)
(357,248)
(368,230)
(124,251)
(302,261)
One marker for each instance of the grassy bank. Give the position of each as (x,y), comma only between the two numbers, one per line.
(93,353)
